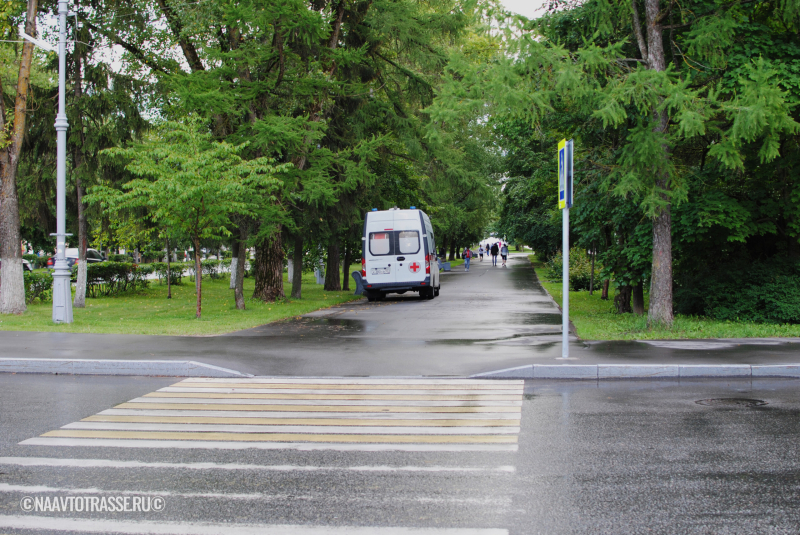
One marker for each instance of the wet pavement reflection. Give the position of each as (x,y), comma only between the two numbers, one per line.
(486,319)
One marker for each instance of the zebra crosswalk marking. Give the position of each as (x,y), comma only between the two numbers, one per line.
(301,421)
(371,397)
(281,437)
(406,414)
(204,405)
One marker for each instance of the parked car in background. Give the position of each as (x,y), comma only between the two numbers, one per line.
(26,266)
(92,256)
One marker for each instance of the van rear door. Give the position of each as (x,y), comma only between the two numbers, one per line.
(379,248)
(410,254)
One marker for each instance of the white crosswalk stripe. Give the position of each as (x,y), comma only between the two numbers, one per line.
(303,413)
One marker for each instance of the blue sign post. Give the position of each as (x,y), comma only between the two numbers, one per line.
(565,149)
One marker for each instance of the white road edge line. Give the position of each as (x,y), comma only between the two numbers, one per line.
(207,528)
(296,446)
(257,496)
(56,462)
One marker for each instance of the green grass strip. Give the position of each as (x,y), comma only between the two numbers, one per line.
(597,319)
(150,312)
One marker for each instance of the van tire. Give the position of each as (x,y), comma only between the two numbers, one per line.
(371,297)
(436,291)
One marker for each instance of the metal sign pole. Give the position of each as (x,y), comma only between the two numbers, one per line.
(565,149)
(62,291)
(565,287)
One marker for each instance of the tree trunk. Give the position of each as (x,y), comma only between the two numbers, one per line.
(80,287)
(452,255)
(234,260)
(297,272)
(623,299)
(346,268)
(638,299)
(269,268)
(591,279)
(604,292)
(241,260)
(169,273)
(332,282)
(661,282)
(198,275)
(12,281)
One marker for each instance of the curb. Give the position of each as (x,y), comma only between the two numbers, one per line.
(597,372)
(175,368)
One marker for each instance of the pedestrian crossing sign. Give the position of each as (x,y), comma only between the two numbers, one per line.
(565,174)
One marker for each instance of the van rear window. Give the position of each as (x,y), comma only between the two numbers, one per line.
(408,241)
(380,243)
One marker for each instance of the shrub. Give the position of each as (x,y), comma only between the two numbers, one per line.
(176,271)
(38,286)
(124,258)
(580,268)
(761,292)
(214,268)
(112,278)
(35,260)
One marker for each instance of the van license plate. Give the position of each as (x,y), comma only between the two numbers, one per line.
(381,271)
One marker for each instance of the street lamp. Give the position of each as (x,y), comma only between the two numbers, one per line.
(62,291)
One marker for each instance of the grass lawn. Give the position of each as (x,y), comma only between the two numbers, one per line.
(150,312)
(596,319)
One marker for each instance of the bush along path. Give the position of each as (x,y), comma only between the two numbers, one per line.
(597,319)
(146,310)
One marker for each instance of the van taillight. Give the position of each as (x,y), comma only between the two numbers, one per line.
(428,264)
(363,267)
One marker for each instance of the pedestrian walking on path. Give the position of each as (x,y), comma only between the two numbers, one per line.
(504,253)
(480,252)
(495,249)
(467,257)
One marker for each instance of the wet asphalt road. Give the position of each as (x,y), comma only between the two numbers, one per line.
(487,319)
(613,457)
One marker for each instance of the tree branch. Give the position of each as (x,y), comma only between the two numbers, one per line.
(176,26)
(23,83)
(637,28)
(133,49)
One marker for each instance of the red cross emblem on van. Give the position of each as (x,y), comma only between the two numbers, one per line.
(413,267)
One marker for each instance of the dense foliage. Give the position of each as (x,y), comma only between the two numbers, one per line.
(268,129)
(708,146)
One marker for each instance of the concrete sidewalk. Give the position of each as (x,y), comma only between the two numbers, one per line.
(485,322)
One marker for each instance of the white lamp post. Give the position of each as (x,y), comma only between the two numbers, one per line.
(62,292)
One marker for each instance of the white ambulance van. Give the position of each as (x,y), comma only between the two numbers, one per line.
(399,254)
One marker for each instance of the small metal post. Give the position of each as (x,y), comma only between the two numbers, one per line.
(62,291)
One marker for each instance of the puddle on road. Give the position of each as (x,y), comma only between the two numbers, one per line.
(536,318)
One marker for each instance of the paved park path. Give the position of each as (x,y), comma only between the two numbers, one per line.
(487,319)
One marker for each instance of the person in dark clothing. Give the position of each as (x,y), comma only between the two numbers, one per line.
(495,250)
